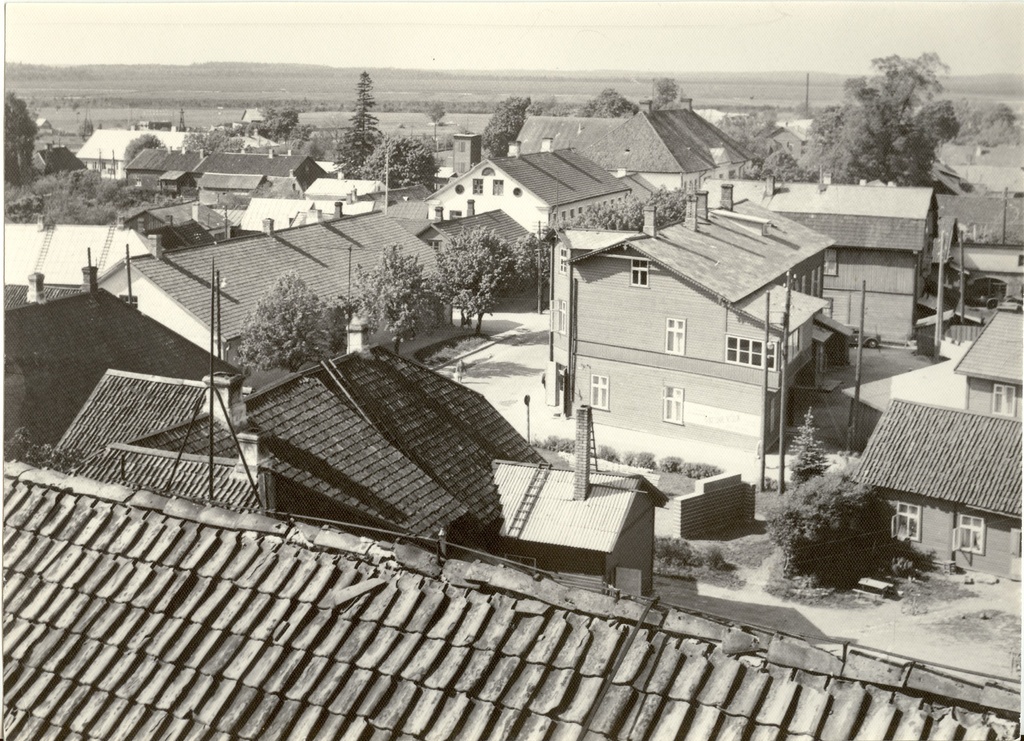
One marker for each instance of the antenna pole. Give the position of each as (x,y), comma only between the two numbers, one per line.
(765,430)
(783,352)
(220,344)
(851,424)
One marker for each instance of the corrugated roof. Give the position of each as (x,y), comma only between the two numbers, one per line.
(188,621)
(15,296)
(162,160)
(565,132)
(497,221)
(59,252)
(949,454)
(222,181)
(997,354)
(104,143)
(983,218)
(319,253)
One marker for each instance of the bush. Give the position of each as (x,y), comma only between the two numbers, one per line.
(639,460)
(557,444)
(714,559)
(607,453)
(699,470)
(902,567)
(671,464)
(676,553)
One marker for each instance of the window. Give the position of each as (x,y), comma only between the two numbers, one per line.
(638,273)
(1020,261)
(675,336)
(970,536)
(517,192)
(1003,398)
(562,314)
(599,392)
(460,189)
(830,302)
(816,282)
(498,188)
(454,214)
(673,407)
(134,302)
(741,351)
(434,243)
(803,283)
(906,523)
(793,345)
(462,146)
(563,259)
(487,171)
(831,262)
(478,186)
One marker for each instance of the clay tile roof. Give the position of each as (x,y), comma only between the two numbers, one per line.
(162,160)
(565,132)
(497,221)
(560,177)
(16,296)
(997,354)
(155,617)
(949,454)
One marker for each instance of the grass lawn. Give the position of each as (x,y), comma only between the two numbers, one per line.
(447,350)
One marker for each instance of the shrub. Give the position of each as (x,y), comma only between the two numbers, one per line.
(639,460)
(699,470)
(902,567)
(714,558)
(557,444)
(676,553)
(607,453)
(671,464)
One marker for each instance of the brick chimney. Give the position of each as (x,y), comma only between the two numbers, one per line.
(438,214)
(90,282)
(195,212)
(270,154)
(514,148)
(40,224)
(358,334)
(647,105)
(691,213)
(470,207)
(702,205)
(253,452)
(769,186)
(229,388)
(650,221)
(339,209)
(687,103)
(268,226)
(546,144)
(156,245)
(35,289)
(119,222)
(727,196)
(581,471)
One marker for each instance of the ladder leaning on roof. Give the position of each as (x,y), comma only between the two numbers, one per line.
(540,477)
(41,260)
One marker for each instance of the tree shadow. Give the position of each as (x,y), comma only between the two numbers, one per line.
(501,369)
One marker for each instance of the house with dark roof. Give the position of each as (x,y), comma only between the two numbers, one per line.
(784,138)
(53,159)
(547,133)
(994,366)
(16,296)
(173,286)
(105,149)
(883,236)
(170,171)
(56,352)
(224,172)
(498,222)
(663,331)
(953,479)
(215,221)
(670,148)
(542,188)
(182,620)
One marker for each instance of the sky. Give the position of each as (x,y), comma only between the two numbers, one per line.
(841,37)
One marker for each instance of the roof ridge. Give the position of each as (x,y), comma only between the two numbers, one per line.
(155,379)
(955,410)
(160,453)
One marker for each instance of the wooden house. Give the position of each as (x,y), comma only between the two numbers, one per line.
(993,367)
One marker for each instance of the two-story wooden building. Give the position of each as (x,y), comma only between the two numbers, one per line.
(993,367)
(663,331)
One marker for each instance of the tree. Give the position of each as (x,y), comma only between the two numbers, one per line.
(609,104)
(278,124)
(19,140)
(136,145)
(288,328)
(392,294)
(473,270)
(86,129)
(810,460)
(989,125)
(214,141)
(504,125)
(666,90)
(628,214)
(781,165)
(938,120)
(435,112)
(408,162)
(364,134)
(79,197)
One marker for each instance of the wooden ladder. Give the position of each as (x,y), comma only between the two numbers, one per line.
(106,247)
(540,477)
(45,249)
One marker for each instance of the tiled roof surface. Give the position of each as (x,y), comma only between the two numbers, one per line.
(730,256)
(565,132)
(124,406)
(56,353)
(57,159)
(178,436)
(983,218)
(560,177)
(60,251)
(143,468)
(230,181)
(163,161)
(226,163)
(497,221)
(410,211)
(105,143)
(641,186)
(319,253)
(15,296)
(131,615)
(997,354)
(209,217)
(185,234)
(950,454)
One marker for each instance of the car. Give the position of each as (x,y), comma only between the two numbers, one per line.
(870,341)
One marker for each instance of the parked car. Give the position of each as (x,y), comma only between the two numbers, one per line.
(871,341)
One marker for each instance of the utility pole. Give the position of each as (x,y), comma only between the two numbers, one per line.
(540,278)
(387,173)
(940,305)
(851,422)
(765,431)
(128,271)
(782,354)
(213,292)
(807,96)
(961,238)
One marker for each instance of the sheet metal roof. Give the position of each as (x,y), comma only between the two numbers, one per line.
(565,132)
(59,251)
(949,454)
(801,306)
(163,160)
(595,239)
(280,165)
(848,200)
(187,621)
(997,354)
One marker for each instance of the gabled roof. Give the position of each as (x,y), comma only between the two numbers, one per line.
(222,181)
(209,217)
(280,165)
(319,253)
(285,211)
(997,354)
(949,454)
(56,353)
(181,620)
(553,517)
(57,159)
(409,210)
(15,296)
(669,141)
(565,132)
(183,234)
(994,178)
(971,154)
(641,186)
(497,221)
(983,218)
(163,160)
(105,143)
(60,251)
(727,255)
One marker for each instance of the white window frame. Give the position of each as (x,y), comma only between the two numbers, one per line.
(497,187)
(640,273)
(969,535)
(563,259)
(831,262)
(675,336)
(907,514)
(1004,400)
(478,186)
(134,303)
(750,352)
(600,392)
(562,312)
(673,399)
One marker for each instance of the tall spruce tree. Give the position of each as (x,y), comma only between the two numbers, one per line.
(364,134)
(810,459)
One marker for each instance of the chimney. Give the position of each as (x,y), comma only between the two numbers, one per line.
(358,334)
(340,175)
(650,221)
(119,222)
(289,153)
(49,146)
(156,243)
(769,186)
(195,212)
(352,196)
(438,213)
(270,154)
(253,452)
(40,224)
(826,178)
(268,226)
(863,181)
(339,209)
(621,172)
(202,153)
(727,196)
(35,289)
(291,173)
(647,105)
(228,387)
(90,283)
(316,216)
(702,205)
(470,207)
(581,471)
(687,103)
(513,149)
(691,213)
(546,143)
(170,220)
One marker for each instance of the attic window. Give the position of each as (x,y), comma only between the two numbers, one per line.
(517,192)
(460,189)
(487,171)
